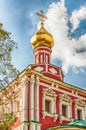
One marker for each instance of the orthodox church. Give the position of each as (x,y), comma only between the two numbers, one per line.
(40,96)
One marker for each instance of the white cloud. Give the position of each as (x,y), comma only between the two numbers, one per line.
(77,16)
(66,49)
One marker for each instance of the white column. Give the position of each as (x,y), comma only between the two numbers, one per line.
(25,127)
(38,127)
(52,106)
(37,99)
(75,111)
(32,81)
(70,109)
(85,112)
(32,126)
(43,106)
(60,107)
(25,98)
(55,105)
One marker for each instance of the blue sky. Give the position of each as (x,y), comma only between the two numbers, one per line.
(66,22)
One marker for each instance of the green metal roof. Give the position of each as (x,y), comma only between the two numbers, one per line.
(77,124)
(81,123)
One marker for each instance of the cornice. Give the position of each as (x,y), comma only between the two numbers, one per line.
(51,80)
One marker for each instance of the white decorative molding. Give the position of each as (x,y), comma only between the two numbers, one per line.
(53,71)
(32,84)
(39,68)
(49,92)
(79,101)
(34,126)
(37,99)
(62,118)
(64,99)
(49,95)
(54,115)
(80,105)
(59,89)
(25,80)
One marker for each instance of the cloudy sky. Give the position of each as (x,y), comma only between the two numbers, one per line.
(66,22)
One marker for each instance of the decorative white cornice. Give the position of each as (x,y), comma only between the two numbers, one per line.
(24,80)
(63,118)
(79,101)
(53,115)
(38,68)
(49,92)
(53,70)
(65,97)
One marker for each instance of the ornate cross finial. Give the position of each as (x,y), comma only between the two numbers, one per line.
(42,16)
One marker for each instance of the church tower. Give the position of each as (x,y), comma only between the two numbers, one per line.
(42,43)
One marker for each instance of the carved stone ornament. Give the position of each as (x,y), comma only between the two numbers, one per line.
(53,71)
(39,68)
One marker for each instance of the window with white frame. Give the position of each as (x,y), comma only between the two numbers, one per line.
(80,109)
(49,103)
(41,58)
(36,58)
(79,114)
(46,58)
(64,110)
(65,105)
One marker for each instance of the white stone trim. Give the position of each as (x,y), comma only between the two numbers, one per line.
(64,99)
(32,83)
(37,99)
(60,90)
(49,95)
(25,98)
(43,51)
(40,58)
(35,126)
(38,68)
(80,105)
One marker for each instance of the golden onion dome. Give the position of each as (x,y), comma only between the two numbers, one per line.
(42,38)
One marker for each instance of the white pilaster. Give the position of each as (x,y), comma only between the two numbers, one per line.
(37,99)
(32,81)
(60,107)
(54,105)
(75,111)
(70,106)
(25,127)
(25,98)
(32,126)
(38,127)
(43,101)
(85,112)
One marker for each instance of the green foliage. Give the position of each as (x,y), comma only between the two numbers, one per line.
(7,71)
(6,121)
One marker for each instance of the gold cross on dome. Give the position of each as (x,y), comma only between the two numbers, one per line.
(42,16)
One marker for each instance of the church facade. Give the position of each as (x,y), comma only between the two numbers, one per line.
(40,97)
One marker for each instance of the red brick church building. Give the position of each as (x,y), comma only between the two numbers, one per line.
(41,97)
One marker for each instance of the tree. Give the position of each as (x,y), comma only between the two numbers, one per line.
(7,71)
(6,121)
(7,116)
